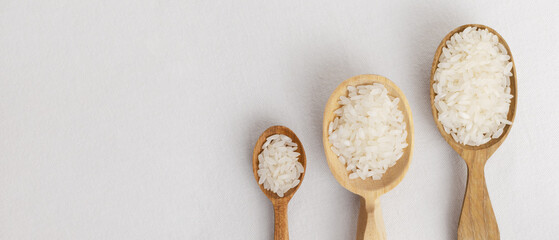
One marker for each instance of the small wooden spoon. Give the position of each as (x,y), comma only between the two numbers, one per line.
(370,224)
(280,203)
(477,220)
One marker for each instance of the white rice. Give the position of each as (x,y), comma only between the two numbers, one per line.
(368,133)
(278,166)
(472,86)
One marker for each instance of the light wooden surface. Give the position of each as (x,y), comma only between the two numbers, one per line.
(370,224)
(280,203)
(477,220)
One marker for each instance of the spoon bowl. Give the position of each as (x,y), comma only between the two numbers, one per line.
(477,220)
(493,143)
(279,203)
(370,224)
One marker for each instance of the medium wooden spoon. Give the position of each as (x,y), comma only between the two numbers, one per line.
(280,203)
(370,223)
(477,220)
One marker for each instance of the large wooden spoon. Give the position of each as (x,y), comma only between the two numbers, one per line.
(477,220)
(280,203)
(370,223)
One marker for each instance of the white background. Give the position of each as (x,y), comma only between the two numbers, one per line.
(137,119)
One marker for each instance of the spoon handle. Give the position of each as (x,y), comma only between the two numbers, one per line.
(370,225)
(280,222)
(477,220)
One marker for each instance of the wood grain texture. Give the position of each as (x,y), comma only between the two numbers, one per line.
(280,221)
(280,203)
(477,220)
(370,224)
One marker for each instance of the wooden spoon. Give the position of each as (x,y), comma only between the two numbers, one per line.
(280,203)
(477,220)
(370,223)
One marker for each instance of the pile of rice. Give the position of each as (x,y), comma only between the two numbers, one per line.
(368,133)
(472,86)
(278,166)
